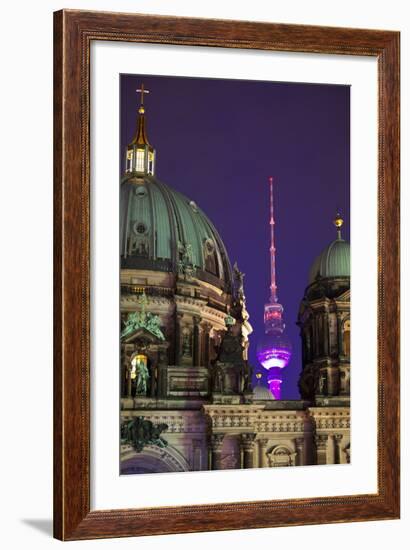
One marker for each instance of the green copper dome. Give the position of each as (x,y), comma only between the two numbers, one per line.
(163,230)
(333,262)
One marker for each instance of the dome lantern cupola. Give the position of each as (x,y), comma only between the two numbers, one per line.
(140,155)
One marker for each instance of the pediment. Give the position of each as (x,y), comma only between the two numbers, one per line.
(141,333)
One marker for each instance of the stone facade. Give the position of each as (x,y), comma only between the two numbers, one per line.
(199,386)
(187,398)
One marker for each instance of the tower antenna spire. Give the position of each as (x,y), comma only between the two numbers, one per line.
(273,287)
(274,349)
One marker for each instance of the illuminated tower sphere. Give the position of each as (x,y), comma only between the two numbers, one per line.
(274,349)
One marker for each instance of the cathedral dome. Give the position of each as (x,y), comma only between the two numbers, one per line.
(334,260)
(163,230)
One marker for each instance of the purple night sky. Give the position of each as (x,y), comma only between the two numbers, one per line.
(218,141)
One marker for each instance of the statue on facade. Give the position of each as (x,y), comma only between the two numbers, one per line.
(239,307)
(238,278)
(307,382)
(142,377)
(322,384)
(140,432)
(217,386)
(185,264)
(142,319)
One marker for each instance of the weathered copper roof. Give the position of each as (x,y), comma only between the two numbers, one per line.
(170,225)
(334,261)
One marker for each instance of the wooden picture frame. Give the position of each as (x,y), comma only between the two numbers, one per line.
(74,32)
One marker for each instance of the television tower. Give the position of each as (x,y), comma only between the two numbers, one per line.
(274,349)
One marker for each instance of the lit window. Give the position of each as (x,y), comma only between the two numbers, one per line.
(138,363)
(151,163)
(140,160)
(129,160)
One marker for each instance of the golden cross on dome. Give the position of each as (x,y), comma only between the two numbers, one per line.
(143,91)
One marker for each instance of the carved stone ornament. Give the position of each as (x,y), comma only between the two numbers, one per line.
(321,441)
(139,432)
(281,456)
(216,441)
(247,441)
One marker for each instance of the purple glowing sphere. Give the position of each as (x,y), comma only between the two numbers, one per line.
(274,350)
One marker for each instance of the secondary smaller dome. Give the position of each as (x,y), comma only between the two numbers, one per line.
(262,393)
(334,260)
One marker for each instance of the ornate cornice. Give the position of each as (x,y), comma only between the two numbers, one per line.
(177,421)
(234,419)
(330,418)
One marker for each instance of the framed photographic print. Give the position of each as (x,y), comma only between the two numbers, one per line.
(226,275)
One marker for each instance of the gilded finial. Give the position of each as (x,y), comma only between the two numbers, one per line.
(143,91)
(338,222)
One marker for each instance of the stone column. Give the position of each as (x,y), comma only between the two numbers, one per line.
(263,459)
(197,342)
(178,338)
(321,448)
(318,335)
(338,448)
(216,441)
(339,334)
(162,373)
(303,341)
(314,332)
(326,333)
(129,382)
(153,372)
(197,455)
(300,451)
(161,381)
(248,446)
(346,450)
(206,327)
